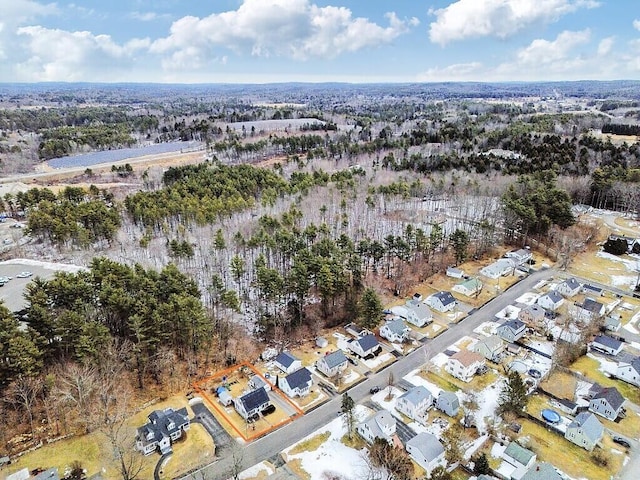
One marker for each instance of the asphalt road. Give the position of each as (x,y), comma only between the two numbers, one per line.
(275,442)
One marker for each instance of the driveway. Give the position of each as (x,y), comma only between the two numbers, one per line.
(221,439)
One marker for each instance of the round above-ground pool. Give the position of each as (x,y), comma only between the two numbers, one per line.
(550,416)
(518,366)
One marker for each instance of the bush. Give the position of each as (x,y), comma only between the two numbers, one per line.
(600,457)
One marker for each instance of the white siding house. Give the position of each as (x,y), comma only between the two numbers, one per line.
(415,403)
(426,450)
(585,431)
(296,384)
(380,425)
(287,362)
(551,300)
(469,288)
(607,403)
(332,363)
(395,331)
(417,313)
(629,372)
(365,346)
(569,288)
(464,364)
(441,301)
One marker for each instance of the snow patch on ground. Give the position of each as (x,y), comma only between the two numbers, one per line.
(380,359)
(414,378)
(352,377)
(440,360)
(606,366)
(508,312)
(389,404)
(487,401)
(528,298)
(631,328)
(254,471)
(631,265)
(497,450)
(487,329)
(435,327)
(58,267)
(623,281)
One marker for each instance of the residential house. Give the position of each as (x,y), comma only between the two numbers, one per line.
(633,244)
(257,381)
(448,403)
(287,362)
(542,471)
(365,346)
(606,344)
(612,322)
(296,384)
(585,431)
(454,272)
(356,330)
(519,460)
(629,372)
(417,313)
(380,425)
(569,288)
(512,330)
(163,428)
(332,363)
(589,310)
(551,300)
(521,256)
(414,403)
(490,348)
(441,301)
(426,450)
(464,364)
(395,330)
(252,403)
(607,403)
(499,268)
(592,290)
(532,315)
(470,287)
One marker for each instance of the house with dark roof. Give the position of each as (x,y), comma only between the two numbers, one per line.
(441,301)
(365,346)
(448,403)
(629,371)
(426,450)
(490,348)
(588,310)
(512,330)
(585,431)
(380,425)
(607,403)
(606,344)
(332,363)
(395,331)
(252,403)
(163,428)
(542,471)
(415,403)
(417,313)
(551,300)
(296,384)
(464,364)
(588,289)
(569,288)
(286,362)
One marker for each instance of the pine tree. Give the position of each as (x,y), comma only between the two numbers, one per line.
(481,465)
(513,397)
(370,309)
(347,408)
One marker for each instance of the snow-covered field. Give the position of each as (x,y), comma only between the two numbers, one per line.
(631,265)
(528,298)
(379,360)
(487,329)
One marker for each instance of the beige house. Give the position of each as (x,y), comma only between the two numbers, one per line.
(464,365)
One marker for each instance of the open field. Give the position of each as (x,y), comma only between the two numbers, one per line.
(561,384)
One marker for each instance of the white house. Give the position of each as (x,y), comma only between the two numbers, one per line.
(612,322)
(629,372)
(585,431)
(606,344)
(512,330)
(417,313)
(380,425)
(518,459)
(332,363)
(448,402)
(464,364)
(441,301)
(454,272)
(607,403)
(296,384)
(469,288)
(551,300)
(163,428)
(365,346)
(395,331)
(252,403)
(426,450)
(521,256)
(569,288)
(287,362)
(490,348)
(415,403)
(499,268)
(589,310)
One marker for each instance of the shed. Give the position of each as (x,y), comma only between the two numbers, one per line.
(321,342)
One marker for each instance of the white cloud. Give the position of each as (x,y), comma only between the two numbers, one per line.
(20,11)
(148,16)
(605,46)
(293,28)
(452,73)
(636,24)
(543,52)
(73,56)
(497,18)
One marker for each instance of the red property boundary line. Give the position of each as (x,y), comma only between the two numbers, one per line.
(218,375)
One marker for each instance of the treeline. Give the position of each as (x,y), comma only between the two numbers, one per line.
(72,217)
(621,129)
(58,142)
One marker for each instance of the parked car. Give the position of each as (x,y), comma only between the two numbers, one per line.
(24,274)
(352,361)
(269,410)
(373,390)
(253,418)
(621,441)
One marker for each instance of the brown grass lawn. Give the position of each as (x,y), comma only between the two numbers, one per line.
(588,265)
(432,330)
(628,223)
(296,466)
(590,368)
(316,396)
(445,384)
(571,459)
(310,444)
(560,384)
(537,403)
(448,382)
(196,449)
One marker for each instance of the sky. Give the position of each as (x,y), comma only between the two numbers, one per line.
(360,41)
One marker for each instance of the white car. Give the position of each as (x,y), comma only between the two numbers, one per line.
(24,275)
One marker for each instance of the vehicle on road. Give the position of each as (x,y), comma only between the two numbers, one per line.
(373,390)
(621,441)
(24,274)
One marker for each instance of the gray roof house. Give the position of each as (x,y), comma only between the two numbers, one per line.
(469,287)
(521,256)
(164,427)
(606,344)
(427,451)
(395,331)
(441,301)
(380,425)
(257,381)
(629,372)
(417,313)
(612,322)
(519,458)
(287,362)
(296,384)
(589,310)
(585,431)
(414,403)
(364,346)
(498,268)
(542,471)
(454,272)
(332,363)
(448,403)
(490,348)
(569,288)
(252,403)
(532,315)
(607,403)
(512,330)
(551,300)
(592,290)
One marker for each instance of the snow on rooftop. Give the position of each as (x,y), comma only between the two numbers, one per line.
(528,298)
(380,359)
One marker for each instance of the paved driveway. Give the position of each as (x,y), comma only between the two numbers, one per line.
(221,439)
